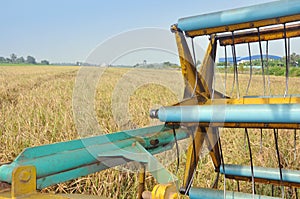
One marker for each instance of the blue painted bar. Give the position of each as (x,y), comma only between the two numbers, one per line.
(250,113)
(63,161)
(205,193)
(262,172)
(69,175)
(240,15)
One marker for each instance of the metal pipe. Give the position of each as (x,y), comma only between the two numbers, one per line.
(246,113)
(292,176)
(205,193)
(240,15)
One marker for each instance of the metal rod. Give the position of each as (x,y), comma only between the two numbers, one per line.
(278,156)
(215,184)
(261,136)
(286,62)
(262,62)
(250,78)
(251,163)
(267,66)
(295,144)
(226,61)
(177,149)
(223,164)
(236,77)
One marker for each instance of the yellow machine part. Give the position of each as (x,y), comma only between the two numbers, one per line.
(164,191)
(24,186)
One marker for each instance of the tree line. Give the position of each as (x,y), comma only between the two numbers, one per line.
(293,60)
(14,59)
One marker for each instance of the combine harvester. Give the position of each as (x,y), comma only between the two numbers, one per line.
(200,116)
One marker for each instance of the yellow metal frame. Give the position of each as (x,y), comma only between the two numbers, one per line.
(198,85)
(24,186)
(266,34)
(204,85)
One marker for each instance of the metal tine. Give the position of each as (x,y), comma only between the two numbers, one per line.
(251,162)
(225,81)
(295,144)
(267,66)
(215,184)
(177,149)
(261,136)
(286,48)
(222,162)
(235,77)
(279,164)
(262,62)
(250,78)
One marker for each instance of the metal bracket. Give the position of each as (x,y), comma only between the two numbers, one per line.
(23,181)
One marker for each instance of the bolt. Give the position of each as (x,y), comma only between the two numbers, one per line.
(154,142)
(24,176)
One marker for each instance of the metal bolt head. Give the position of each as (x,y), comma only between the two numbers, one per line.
(25,176)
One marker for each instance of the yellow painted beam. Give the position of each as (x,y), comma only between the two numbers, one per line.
(266,34)
(256,100)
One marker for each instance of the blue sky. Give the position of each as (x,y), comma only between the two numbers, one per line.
(68,30)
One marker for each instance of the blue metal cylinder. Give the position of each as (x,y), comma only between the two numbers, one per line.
(250,113)
(204,193)
(240,15)
(261,172)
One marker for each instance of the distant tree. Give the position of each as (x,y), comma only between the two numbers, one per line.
(20,60)
(8,60)
(167,63)
(294,57)
(30,60)
(13,57)
(45,62)
(2,60)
